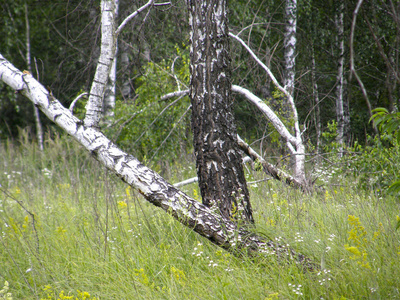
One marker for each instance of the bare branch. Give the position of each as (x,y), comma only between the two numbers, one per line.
(267,167)
(352,68)
(71,107)
(298,143)
(170,132)
(133,15)
(156,118)
(264,108)
(174,94)
(276,83)
(162,3)
(173,73)
(187,181)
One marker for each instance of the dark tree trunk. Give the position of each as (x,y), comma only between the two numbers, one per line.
(218,160)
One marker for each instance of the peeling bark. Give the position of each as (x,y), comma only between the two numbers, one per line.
(218,159)
(94,107)
(222,232)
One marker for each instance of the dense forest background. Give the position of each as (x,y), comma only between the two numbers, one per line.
(64,41)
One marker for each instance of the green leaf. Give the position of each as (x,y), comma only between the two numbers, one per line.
(394,187)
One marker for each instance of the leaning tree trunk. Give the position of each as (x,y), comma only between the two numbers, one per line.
(218,160)
(153,187)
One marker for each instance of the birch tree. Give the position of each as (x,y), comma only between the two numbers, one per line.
(94,107)
(218,160)
(340,78)
(289,45)
(155,189)
(109,95)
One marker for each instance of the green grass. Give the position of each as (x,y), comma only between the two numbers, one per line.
(69,228)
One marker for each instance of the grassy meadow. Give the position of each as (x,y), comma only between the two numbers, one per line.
(71,230)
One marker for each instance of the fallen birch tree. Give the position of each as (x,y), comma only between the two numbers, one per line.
(155,189)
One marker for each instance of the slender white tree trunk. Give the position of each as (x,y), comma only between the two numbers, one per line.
(39,129)
(340,78)
(289,44)
(94,107)
(110,93)
(289,81)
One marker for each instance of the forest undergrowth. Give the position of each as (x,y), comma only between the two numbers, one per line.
(71,230)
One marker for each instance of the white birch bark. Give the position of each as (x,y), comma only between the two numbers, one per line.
(110,93)
(289,45)
(94,107)
(151,185)
(289,81)
(340,78)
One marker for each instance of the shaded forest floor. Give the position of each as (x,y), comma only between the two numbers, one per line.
(70,230)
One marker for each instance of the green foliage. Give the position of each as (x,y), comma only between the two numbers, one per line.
(376,165)
(94,237)
(389,124)
(329,137)
(159,128)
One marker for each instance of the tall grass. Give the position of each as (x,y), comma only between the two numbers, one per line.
(70,230)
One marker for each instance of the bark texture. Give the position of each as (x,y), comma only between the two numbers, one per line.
(289,44)
(94,107)
(153,187)
(110,92)
(340,78)
(218,160)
